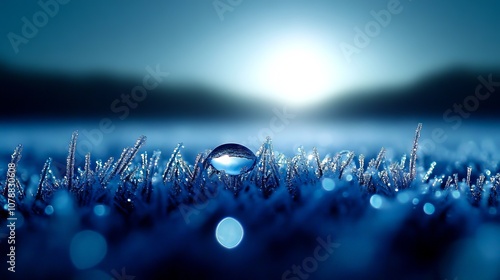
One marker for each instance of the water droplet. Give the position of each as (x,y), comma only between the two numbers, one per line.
(229,233)
(233,159)
(429,208)
(415,201)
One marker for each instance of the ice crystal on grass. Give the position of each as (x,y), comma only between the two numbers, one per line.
(150,167)
(429,172)
(44,187)
(413,155)
(299,173)
(70,161)
(265,175)
(282,198)
(134,182)
(177,173)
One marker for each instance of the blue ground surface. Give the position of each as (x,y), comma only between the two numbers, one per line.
(364,228)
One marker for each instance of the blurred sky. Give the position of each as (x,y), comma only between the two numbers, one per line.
(267,48)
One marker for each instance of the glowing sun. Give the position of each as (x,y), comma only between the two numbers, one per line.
(297,73)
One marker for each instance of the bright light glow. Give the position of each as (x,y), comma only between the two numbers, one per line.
(232,165)
(100,210)
(376,201)
(298,72)
(87,249)
(49,210)
(403,197)
(328,184)
(229,233)
(348,178)
(429,208)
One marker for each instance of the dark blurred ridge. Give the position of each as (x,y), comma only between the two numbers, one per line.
(427,97)
(35,95)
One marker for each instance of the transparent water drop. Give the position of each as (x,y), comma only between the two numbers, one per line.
(233,159)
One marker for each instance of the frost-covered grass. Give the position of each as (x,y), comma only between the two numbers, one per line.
(397,216)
